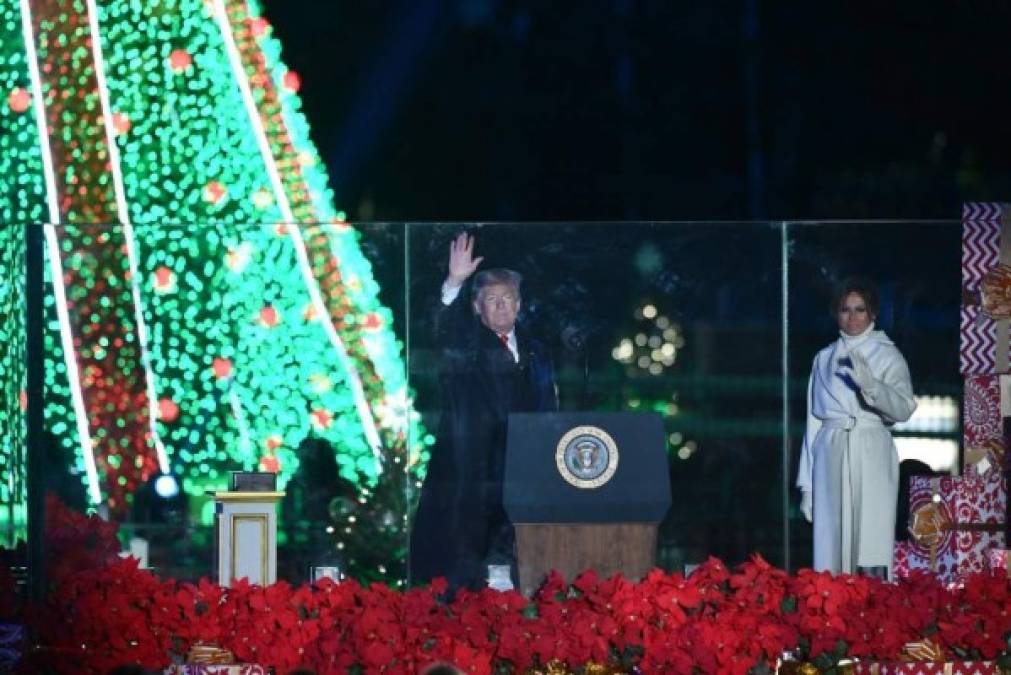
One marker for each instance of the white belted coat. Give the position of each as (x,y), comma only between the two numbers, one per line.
(848,459)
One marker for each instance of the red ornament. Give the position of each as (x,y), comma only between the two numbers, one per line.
(372,321)
(168,411)
(291,81)
(214,192)
(321,418)
(258,26)
(19,99)
(164,280)
(180,60)
(269,317)
(23,400)
(222,367)
(121,123)
(270,464)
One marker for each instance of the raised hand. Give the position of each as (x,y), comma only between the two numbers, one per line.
(462,262)
(862,374)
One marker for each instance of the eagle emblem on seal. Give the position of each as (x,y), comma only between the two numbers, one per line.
(586,457)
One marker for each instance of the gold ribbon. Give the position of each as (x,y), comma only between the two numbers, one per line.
(922,650)
(558,667)
(992,450)
(209,655)
(930,522)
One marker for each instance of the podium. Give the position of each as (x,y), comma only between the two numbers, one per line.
(246,536)
(585,491)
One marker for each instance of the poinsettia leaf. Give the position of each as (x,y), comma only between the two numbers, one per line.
(788,605)
(824,661)
(840,649)
(503,667)
(530,611)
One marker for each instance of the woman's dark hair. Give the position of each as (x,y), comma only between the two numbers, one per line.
(865,288)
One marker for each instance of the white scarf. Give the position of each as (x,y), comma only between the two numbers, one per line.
(853,341)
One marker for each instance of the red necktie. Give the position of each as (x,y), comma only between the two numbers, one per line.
(504,339)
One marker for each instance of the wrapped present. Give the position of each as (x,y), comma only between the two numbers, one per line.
(928,668)
(205,659)
(900,559)
(216,669)
(12,644)
(1000,560)
(987,407)
(205,654)
(954,523)
(985,320)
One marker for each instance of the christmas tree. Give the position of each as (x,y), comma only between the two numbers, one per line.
(208,309)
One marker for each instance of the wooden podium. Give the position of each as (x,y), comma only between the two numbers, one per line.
(572,548)
(585,491)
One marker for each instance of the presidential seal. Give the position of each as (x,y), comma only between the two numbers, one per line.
(586,457)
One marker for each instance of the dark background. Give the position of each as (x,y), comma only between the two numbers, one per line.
(654,109)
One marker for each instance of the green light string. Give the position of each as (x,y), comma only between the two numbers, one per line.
(22,184)
(13,393)
(243,368)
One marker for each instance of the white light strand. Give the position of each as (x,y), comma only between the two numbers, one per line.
(131,244)
(55,262)
(354,381)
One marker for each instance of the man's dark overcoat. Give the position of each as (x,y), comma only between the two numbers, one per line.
(461,527)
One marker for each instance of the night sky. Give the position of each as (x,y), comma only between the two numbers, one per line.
(653,109)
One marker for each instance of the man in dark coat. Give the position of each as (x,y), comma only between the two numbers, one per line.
(490,367)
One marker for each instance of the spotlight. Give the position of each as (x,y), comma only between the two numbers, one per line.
(166,486)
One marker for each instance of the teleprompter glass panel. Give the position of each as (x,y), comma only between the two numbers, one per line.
(683,320)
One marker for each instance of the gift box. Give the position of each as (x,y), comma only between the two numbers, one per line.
(985,318)
(1000,560)
(954,523)
(927,668)
(213,669)
(900,559)
(986,409)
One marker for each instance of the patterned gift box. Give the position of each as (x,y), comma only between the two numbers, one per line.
(901,559)
(1000,560)
(212,669)
(986,252)
(928,668)
(986,407)
(954,522)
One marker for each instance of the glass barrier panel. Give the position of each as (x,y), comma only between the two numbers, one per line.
(175,355)
(682,320)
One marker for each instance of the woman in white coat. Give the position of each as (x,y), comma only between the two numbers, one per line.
(848,473)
